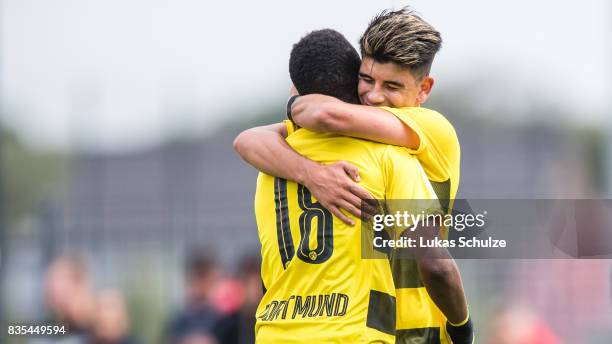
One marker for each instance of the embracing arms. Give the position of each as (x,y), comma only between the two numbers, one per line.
(322,113)
(334,186)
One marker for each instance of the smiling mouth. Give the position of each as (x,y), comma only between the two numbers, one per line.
(363,102)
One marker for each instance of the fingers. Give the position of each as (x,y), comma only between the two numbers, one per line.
(367,211)
(371,206)
(354,205)
(362,199)
(340,215)
(351,170)
(350,208)
(360,192)
(364,207)
(347,201)
(352,199)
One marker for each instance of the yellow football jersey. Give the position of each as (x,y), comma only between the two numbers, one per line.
(418,318)
(318,288)
(439,152)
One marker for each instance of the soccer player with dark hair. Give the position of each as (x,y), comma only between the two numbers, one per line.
(398,49)
(317,285)
(325,62)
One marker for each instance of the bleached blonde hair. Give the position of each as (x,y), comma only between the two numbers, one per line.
(401,37)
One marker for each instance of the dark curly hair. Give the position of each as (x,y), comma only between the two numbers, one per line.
(324,62)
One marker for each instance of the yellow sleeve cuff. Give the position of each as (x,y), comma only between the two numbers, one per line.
(405,118)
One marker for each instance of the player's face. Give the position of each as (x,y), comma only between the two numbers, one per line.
(388,84)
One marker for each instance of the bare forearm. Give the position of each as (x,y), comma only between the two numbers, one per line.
(442,280)
(327,114)
(268,152)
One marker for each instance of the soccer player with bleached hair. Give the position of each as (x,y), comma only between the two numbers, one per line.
(398,50)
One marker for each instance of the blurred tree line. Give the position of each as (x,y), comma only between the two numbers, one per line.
(27,176)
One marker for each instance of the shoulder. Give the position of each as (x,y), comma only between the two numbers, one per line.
(434,129)
(425,118)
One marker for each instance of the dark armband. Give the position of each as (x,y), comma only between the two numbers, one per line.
(289,104)
(462,333)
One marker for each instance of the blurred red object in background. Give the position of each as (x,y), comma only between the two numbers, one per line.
(228,296)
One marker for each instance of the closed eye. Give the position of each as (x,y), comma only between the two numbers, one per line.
(394,86)
(365,77)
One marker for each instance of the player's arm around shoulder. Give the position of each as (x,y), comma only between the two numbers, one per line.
(322,113)
(256,145)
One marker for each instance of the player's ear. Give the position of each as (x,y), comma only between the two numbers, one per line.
(425,86)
